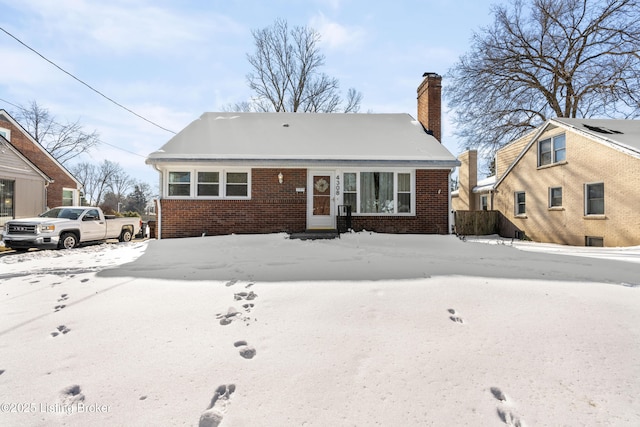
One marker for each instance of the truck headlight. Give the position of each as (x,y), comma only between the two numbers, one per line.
(47,228)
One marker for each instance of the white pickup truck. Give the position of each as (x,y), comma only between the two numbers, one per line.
(68,226)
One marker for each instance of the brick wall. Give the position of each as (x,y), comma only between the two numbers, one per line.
(587,161)
(429,104)
(36,156)
(278,207)
(273,208)
(432,209)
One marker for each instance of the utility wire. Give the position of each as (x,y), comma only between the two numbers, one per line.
(99,140)
(86,84)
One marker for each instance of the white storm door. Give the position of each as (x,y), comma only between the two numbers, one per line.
(321,200)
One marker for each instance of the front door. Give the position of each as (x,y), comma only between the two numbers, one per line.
(321,200)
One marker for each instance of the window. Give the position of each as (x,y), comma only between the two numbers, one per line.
(594,241)
(67,197)
(555,197)
(6,200)
(404,192)
(209,184)
(384,193)
(552,150)
(179,183)
(520,203)
(484,205)
(237,184)
(594,199)
(350,195)
(6,133)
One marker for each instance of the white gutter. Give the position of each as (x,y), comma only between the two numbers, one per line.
(450,212)
(159,205)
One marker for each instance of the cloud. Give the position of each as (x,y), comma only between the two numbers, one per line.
(336,36)
(126,27)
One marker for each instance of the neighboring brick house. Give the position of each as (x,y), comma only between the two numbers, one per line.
(572,181)
(290,172)
(62,188)
(472,194)
(18,176)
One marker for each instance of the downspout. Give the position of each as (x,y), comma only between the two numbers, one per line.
(46,200)
(450,212)
(159,204)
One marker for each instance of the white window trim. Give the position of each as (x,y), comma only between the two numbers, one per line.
(516,204)
(586,200)
(551,206)
(76,195)
(553,151)
(193,183)
(357,171)
(485,198)
(7,133)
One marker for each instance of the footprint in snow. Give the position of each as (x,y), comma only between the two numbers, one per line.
(63,297)
(505,414)
(246,351)
(498,394)
(231,283)
(60,330)
(227,318)
(509,418)
(245,296)
(72,394)
(212,416)
(58,307)
(454,316)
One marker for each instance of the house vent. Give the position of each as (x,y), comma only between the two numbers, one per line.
(602,130)
(285,125)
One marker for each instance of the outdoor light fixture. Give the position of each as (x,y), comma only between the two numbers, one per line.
(280,177)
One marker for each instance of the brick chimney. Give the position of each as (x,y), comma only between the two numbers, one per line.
(429,110)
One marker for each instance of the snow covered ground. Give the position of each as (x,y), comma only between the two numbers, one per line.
(367,330)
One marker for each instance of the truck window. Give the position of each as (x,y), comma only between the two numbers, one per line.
(92,215)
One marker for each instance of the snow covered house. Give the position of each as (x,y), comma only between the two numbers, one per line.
(19,177)
(30,178)
(291,172)
(570,181)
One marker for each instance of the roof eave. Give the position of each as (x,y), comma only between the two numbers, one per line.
(293,162)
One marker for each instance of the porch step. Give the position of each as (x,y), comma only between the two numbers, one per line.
(315,234)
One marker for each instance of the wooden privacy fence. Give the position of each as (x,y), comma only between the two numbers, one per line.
(476,223)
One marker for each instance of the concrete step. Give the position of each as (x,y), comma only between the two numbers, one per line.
(315,234)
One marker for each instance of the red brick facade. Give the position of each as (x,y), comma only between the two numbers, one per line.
(429,104)
(37,156)
(278,207)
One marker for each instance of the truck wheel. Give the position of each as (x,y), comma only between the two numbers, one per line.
(126,235)
(68,241)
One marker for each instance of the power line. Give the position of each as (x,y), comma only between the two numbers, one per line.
(86,84)
(99,140)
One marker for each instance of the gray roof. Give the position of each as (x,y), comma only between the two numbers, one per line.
(305,138)
(624,133)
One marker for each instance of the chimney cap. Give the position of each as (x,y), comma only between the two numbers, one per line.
(430,74)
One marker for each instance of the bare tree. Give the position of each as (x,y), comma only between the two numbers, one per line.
(98,180)
(544,59)
(63,141)
(286,74)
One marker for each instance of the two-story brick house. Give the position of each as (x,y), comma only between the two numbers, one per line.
(572,181)
(60,186)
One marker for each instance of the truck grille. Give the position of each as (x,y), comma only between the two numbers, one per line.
(22,229)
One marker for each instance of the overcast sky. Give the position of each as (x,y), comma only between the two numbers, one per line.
(170,61)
